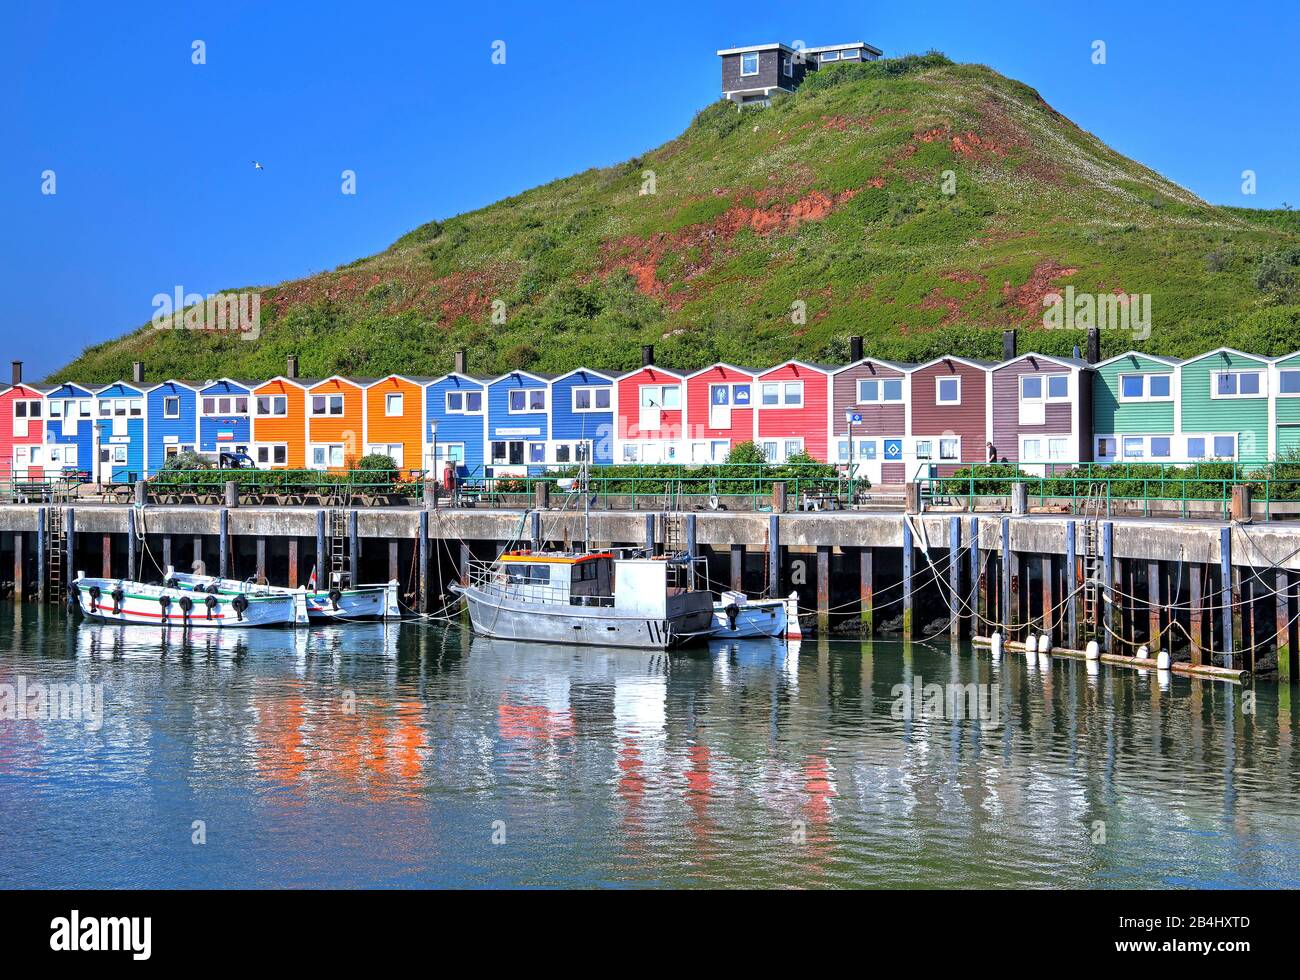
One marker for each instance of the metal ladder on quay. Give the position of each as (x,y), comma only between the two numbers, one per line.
(1091,557)
(338,522)
(56,540)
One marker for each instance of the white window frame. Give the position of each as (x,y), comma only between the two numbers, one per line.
(32,406)
(1237,372)
(275,400)
(782,400)
(830,56)
(663,391)
(757,63)
(787,67)
(1044,379)
(923,449)
(329,448)
(938,388)
(387,449)
(1287,394)
(464,403)
(591,392)
(1045,440)
(1146,395)
(168,400)
(388,404)
(1097,448)
(956,457)
(329,406)
(880,398)
(270,447)
(528,401)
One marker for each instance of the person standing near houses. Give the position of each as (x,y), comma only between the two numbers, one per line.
(992,451)
(449,481)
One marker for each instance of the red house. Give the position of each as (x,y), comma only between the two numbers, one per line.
(650,417)
(950,415)
(793,401)
(719,411)
(22,431)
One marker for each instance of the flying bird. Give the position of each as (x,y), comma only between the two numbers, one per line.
(257,166)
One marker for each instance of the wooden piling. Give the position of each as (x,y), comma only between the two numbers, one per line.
(423,571)
(866,586)
(464,563)
(1072,638)
(650,535)
(692,551)
(132,546)
(1108,586)
(738,567)
(1228,621)
(107,556)
(167,552)
(198,553)
(1282,626)
(260,571)
(354,550)
(774,555)
(973,602)
(70,546)
(292,580)
(322,566)
(823,589)
(1196,602)
(535,532)
(42,546)
(908,546)
(392,560)
(20,590)
(1155,607)
(1047,570)
(1004,600)
(954,579)
(223,560)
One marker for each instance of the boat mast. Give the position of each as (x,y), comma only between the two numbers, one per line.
(586,499)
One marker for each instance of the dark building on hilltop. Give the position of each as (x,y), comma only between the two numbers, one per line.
(751,74)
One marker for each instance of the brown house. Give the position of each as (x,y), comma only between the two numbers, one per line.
(750,75)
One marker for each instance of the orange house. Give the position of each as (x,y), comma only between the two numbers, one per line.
(336,422)
(395,420)
(280,425)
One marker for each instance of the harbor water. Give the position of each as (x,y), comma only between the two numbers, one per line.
(418,755)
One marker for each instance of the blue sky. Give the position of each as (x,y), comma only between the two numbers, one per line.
(153,154)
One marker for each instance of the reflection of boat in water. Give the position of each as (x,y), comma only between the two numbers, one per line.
(339,602)
(122,601)
(591,599)
(100,640)
(738,617)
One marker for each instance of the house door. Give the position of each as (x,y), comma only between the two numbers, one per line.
(648,419)
(719,406)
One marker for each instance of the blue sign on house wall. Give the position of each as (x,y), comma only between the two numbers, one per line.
(893,449)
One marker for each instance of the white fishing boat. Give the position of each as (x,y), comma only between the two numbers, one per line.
(736,616)
(124,601)
(619,599)
(338,603)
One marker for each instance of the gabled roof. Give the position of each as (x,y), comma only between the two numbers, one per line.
(673,372)
(130,385)
(542,378)
(599,374)
(1073,362)
(749,372)
(968,361)
(296,382)
(1227,350)
(418,380)
(819,368)
(204,385)
(893,365)
(475,378)
(353,382)
(193,386)
(1171,361)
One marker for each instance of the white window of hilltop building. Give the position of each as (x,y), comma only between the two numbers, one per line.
(749,63)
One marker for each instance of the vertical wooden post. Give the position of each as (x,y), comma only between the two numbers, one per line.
(322,565)
(223,562)
(691,551)
(167,552)
(1047,570)
(1108,586)
(1250,633)
(866,586)
(976,570)
(908,546)
(392,560)
(20,591)
(774,556)
(823,589)
(1155,602)
(198,551)
(423,578)
(107,568)
(954,579)
(261,560)
(354,550)
(1283,626)
(292,581)
(464,563)
(42,547)
(132,546)
(738,568)
(70,535)
(1072,585)
(1228,621)
(1004,601)
(535,532)
(1196,601)
(649,535)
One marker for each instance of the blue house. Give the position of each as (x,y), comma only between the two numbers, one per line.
(171,410)
(70,428)
(119,434)
(225,417)
(454,424)
(582,414)
(518,430)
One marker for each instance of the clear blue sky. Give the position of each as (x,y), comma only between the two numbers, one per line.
(152,154)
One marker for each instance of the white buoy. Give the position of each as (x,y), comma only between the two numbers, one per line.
(1143,653)
(1044,643)
(1163,661)
(1031,645)
(996,645)
(1092,651)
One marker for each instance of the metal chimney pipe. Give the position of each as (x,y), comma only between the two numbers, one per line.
(461,362)
(1008,345)
(17,372)
(291,366)
(1094,345)
(137,372)
(855,350)
(647,354)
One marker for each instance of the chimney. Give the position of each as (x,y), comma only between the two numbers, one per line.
(1094,345)
(461,362)
(137,372)
(855,350)
(291,366)
(18,372)
(647,354)
(1008,345)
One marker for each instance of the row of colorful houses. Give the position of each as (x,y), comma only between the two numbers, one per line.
(884,420)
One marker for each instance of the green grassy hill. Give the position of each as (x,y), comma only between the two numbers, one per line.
(831,202)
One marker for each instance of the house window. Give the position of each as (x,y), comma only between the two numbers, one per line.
(1058,449)
(947,391)
(393,403)
(950,449)
(1235,384)
(171,407)
(770,450)
(782,394)
(1145,387)
(1105,448)
(591,399)
(1225,447)
(327,404)
(273,454)
(328,456)
(527,400)
(537,452)
(740,396)
(1045,387)
(749,63)
(464,402)
(830,56)
(394,450)
(842,450)
(1288,382)
(872,391)
(1033,449)
(787,67)
(1160,447)
(924,449)
(83,408)
(630,453)
(1196,447)
(273,406)
(661,396)
(56,409)
(1134,447)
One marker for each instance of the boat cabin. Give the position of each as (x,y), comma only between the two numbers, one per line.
(560,579)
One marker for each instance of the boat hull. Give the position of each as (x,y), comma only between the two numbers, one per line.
(756,619)
(363,602)
(143,605)
(689,619)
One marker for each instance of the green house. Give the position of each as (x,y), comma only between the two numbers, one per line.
(1286,400)
(1224,406)
(1135,409)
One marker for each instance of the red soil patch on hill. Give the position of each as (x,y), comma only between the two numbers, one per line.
(1029,297)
